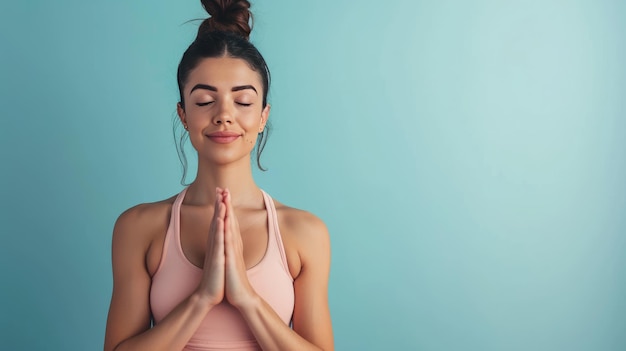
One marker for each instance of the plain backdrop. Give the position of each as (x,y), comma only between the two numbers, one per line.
(468,158)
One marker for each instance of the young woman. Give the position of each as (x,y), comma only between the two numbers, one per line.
(221,265)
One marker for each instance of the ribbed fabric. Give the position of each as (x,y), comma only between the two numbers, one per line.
(223,328)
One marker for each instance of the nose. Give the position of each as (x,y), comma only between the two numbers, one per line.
(223,115)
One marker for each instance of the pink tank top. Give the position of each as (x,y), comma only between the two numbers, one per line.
(223,327)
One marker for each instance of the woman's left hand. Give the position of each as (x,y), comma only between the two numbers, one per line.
(237,289)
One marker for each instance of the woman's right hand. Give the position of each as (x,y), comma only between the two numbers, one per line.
(211,286)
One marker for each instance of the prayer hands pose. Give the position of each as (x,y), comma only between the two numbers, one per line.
(224,272)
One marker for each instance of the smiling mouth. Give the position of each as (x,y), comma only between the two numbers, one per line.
(223,139)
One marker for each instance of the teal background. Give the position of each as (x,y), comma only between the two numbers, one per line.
(468,158)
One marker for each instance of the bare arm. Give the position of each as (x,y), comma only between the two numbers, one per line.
(312,328)
(128,323)
(311,321)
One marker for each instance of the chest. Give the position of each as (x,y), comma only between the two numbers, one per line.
(195,231)
(175,281)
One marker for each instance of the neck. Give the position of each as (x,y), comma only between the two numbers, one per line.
(236,177)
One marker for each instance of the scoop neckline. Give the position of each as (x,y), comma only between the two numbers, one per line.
(180,245)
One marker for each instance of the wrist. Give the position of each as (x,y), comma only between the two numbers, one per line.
(202,300)
(249,304)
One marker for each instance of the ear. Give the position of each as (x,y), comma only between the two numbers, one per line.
(265,114)
(181,113)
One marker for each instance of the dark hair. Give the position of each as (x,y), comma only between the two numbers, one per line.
(225,33)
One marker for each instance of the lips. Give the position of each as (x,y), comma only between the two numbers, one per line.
(223,137)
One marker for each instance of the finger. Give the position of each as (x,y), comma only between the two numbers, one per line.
(217,244)
(225,202)
(222,210)
(233,217)
(232,237)
(228,200)
(218,199)
(219,227)
(213,228)
(228,219)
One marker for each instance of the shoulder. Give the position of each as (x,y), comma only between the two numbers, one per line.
(138,224)
(304,234)
(301,224)
(144,215)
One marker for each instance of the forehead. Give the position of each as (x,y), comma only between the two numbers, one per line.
(223,73)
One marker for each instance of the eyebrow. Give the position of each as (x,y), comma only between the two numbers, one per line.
(212,88)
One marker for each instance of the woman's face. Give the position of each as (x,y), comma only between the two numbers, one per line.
(223,109)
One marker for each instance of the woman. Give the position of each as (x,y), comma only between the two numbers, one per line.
(220,265)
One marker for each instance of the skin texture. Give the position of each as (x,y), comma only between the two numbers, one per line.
(223,230)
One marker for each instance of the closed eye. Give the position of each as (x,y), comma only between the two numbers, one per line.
(204,103)
(243,104)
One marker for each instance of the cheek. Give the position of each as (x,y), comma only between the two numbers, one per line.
(250,139)
(251,125)
(195,118)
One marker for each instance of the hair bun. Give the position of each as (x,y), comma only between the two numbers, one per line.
(227,16)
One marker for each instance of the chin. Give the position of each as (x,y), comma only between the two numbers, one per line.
(226,158)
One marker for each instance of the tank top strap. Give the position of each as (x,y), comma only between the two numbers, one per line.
(275,238)
(172,235)
(175,219)
(174,227)
(174,232)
